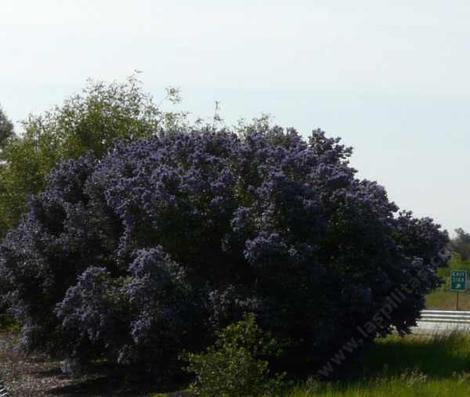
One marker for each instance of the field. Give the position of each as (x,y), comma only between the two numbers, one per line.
(444,299)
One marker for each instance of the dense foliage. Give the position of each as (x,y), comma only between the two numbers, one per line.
(6,129)
(153,249)
(91,121)
(235,366)
(460,244)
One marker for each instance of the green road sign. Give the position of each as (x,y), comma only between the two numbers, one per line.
(458,281)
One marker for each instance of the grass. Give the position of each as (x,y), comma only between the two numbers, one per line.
(413,366)
(444,299)
(409,386)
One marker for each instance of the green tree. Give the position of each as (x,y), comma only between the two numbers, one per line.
(6,129)
(460,244)
(87,122)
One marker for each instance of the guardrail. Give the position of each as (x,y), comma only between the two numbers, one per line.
(3,390)
(445,316)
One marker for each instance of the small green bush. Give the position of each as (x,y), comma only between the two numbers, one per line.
(234,365)
(8,323)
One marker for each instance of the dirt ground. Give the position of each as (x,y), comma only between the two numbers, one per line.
(37,375)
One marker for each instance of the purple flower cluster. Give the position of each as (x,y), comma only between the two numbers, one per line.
(154,248)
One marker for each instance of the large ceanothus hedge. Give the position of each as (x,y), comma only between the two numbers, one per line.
(147,252)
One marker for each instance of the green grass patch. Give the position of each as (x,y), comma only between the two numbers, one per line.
(442,298)
(413,366)
(408,386)
(446,300)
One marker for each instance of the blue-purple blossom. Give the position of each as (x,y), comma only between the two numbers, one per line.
(151,250)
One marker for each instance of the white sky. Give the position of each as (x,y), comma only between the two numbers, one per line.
(390,77)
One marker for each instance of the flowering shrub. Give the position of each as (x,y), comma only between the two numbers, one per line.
(153,249)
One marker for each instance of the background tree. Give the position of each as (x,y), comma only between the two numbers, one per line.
(6,129)
(89,122)
(460,244)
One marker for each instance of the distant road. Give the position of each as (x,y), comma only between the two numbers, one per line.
(442,321)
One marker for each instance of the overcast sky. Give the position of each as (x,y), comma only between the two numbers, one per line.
(390,77)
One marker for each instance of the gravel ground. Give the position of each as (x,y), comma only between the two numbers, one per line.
(37,375)
(28,375)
